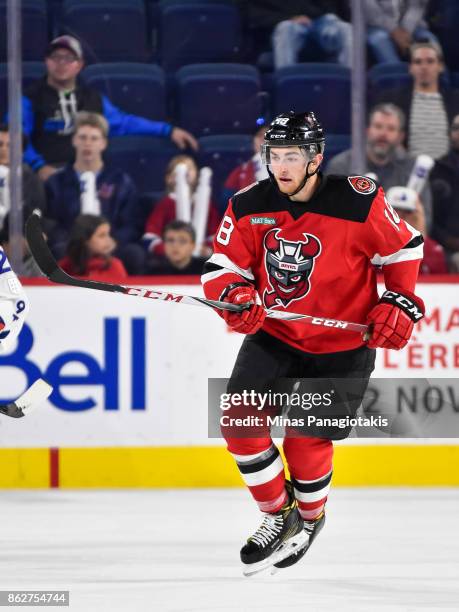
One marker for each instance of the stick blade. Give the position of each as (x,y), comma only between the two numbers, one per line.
(35,395)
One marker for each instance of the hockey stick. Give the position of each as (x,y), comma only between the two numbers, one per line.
(36,394)
(50,268)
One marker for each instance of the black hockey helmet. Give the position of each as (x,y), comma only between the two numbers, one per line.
(294,130)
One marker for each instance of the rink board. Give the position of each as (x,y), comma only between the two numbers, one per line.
(130,401)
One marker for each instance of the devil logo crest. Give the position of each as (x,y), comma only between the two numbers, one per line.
(289,266)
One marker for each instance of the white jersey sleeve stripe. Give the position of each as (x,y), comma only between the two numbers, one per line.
(407,253)
(224,262)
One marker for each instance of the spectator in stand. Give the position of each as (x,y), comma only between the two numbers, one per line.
(444,180)
(179,239)
(165,210)
(88,186)
(302,27)
(33,193)
(408,206)
(51,104)
(385,158)
(247,173)
(429,107)
(393,25)
(89,252)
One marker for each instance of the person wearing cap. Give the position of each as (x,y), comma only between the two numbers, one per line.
(385,158)
(51,103)
(406,203)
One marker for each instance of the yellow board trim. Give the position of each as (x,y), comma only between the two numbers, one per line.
(187,467)
(24,468)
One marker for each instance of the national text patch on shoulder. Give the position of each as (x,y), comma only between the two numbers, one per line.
(262,220)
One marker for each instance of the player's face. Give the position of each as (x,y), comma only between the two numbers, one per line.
(384,134)
(89,143)
(4,148)
(63,66)
(178,246)
(425,67)
(288,164)
(101,243)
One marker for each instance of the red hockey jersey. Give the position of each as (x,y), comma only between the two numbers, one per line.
(317,257)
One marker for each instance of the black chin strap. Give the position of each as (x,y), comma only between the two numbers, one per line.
(302,184)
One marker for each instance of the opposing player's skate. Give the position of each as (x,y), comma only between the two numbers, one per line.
(279,535)
(311,529)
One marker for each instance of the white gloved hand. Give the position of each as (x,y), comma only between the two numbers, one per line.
(14,305)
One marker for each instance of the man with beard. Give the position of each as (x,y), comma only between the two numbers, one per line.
(385,157)
(302,242)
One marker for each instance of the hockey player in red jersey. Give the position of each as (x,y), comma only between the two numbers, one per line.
(308,243)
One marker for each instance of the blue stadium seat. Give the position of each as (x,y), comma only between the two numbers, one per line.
(144,158)
(322,88)
(30,72)
(192,32)
(218,98)
(388,75)
(334,144)
(136,88)
(34,30)
(223,154)
(446,20)
(110,30)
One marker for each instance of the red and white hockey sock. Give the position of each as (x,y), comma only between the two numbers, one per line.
(263,473)
(312,495)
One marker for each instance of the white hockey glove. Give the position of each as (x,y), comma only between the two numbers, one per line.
(14,304)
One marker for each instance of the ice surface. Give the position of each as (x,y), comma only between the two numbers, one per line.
(170,550)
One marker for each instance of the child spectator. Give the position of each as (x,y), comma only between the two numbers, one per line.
(179,240)
(89,252)
(166,210)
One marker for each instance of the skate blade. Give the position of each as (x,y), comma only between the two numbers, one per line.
(292,545)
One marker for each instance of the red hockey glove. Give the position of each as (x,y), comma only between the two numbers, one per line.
(248,321)
(392,320)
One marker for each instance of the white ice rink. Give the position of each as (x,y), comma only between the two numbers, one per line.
(381,549)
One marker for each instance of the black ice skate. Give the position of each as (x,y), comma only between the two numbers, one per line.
(312,529)
(278,536)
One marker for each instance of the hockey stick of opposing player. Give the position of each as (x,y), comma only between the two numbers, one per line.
(35,395)
(48,265)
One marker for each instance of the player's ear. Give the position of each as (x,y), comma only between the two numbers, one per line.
(317,160)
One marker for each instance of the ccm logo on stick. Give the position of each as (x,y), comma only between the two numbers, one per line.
(154,295)
(328,322)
